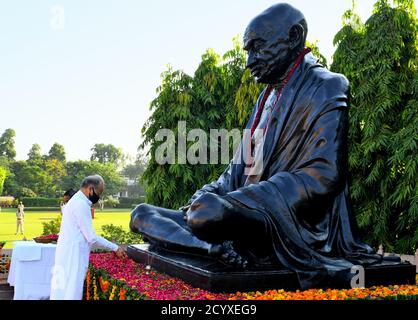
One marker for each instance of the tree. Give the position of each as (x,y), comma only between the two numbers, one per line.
(7,144)
(57,152)
(221,94)
(5,164)
(134,172)
(56,171)
(3,173)
(34,155)
(380,58)
(78,170)
(106,153)
(316,52)
(34,177)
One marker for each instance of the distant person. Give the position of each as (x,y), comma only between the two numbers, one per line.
(101,204)
(77,237)
(20,218)
(67,196)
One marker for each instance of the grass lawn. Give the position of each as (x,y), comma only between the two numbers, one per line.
(33,223)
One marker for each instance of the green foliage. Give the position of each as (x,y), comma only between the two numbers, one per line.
(106,154)
(7,144)
(41,202)
(30,175)
(118,235)
(315,51)
(380,59)
(41,209)
(5,162)
(221,94)
(3,174)
(52,227)
(129,202)
(57,152)
(50,175)
(27,193)
(134,172)
(56,171)
(78,170)
(111,202)
(35,155)
(36,177)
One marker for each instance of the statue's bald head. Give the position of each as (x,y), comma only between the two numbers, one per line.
(273,40)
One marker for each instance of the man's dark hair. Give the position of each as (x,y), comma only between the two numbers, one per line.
(70,193)
(94,181)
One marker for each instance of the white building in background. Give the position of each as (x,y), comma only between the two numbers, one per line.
(128,190)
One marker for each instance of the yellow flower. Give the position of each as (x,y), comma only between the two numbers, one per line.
(112,293)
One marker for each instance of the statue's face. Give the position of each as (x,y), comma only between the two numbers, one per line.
(269,53)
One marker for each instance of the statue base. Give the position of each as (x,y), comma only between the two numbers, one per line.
(209,274)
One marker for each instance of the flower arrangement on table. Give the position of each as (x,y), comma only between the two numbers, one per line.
(113,278)
(51,238)
(4,261)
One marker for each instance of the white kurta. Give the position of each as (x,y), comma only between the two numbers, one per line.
(76,238)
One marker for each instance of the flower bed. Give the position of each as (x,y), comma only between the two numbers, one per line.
(112,278)
(141,283)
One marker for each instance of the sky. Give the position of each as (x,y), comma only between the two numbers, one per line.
(81,72)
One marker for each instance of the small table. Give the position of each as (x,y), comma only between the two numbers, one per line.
(30,270)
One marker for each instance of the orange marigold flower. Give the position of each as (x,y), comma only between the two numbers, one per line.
(122,293)
(104,284)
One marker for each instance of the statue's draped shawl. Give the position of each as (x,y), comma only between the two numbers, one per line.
(302,190)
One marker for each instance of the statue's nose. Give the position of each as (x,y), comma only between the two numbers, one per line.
(251,60)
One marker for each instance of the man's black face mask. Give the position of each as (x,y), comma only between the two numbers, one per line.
(94,198)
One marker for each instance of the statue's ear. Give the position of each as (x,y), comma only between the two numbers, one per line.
(296,36)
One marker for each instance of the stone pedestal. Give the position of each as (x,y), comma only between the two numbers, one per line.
(209,274)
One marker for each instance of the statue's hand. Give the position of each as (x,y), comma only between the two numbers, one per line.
(189,203)
(185,207)
(208,215)
(209,207)
(206,188)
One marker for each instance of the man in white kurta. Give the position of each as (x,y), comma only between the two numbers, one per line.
(76,239)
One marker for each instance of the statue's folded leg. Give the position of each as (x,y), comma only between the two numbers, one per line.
(166,228)
(215,219)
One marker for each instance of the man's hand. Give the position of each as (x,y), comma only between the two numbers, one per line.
(120,253)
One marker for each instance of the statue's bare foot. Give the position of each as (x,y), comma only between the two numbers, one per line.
(226,254)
